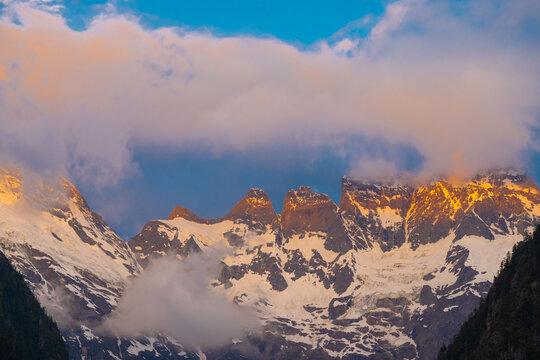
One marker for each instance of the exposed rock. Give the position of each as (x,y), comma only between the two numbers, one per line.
(339,306)
(255,209)
(375,211)
(297,264)
(269,265)
(305,211)
(182,212)
(472,224)
(426,296)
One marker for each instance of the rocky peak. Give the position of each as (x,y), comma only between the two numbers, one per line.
(305,211)
(74,194)
(185,213)
(304,195)
(360,196)
(257,194)
(394,213)
(480,206)
(256,208)
(375,211)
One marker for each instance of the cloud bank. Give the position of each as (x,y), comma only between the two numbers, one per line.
(173,297)
(458,81)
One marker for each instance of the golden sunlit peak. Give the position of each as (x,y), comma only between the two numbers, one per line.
(257,202)
(10,187)
(71,191)
(257,198)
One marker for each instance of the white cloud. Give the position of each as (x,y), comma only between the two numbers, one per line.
(373,169)
(80,101)
(174,297)
(392,19)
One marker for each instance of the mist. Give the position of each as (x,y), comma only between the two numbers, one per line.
(175,297)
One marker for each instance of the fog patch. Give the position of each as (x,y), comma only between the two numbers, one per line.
(176,298)
(373,170)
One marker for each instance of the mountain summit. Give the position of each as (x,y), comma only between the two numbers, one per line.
(255,208)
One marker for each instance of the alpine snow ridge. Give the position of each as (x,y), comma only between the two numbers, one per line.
(393,271)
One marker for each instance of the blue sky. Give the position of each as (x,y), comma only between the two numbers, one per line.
(211,184)
(302,22)
(146,105)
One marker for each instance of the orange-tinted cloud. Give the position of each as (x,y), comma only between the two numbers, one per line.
(80,100)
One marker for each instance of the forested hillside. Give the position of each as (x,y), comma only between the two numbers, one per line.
(506,324)
(26,332)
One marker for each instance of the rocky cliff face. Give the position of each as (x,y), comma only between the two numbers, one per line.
(393,214)
(375,212)
(392,272)
(305,212)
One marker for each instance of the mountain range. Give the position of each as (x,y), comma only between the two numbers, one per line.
(391,272)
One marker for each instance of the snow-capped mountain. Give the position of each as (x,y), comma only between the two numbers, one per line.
(74,263)
(392,271)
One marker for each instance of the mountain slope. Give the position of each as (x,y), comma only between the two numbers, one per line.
(74,263)
(392,271)
(506,324)
(26,332)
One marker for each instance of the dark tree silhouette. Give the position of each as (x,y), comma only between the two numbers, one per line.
(26,331)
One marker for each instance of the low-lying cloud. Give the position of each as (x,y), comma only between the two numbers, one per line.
(453,79)
(175,298)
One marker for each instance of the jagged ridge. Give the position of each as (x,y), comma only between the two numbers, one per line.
(427,240)
(393,270)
